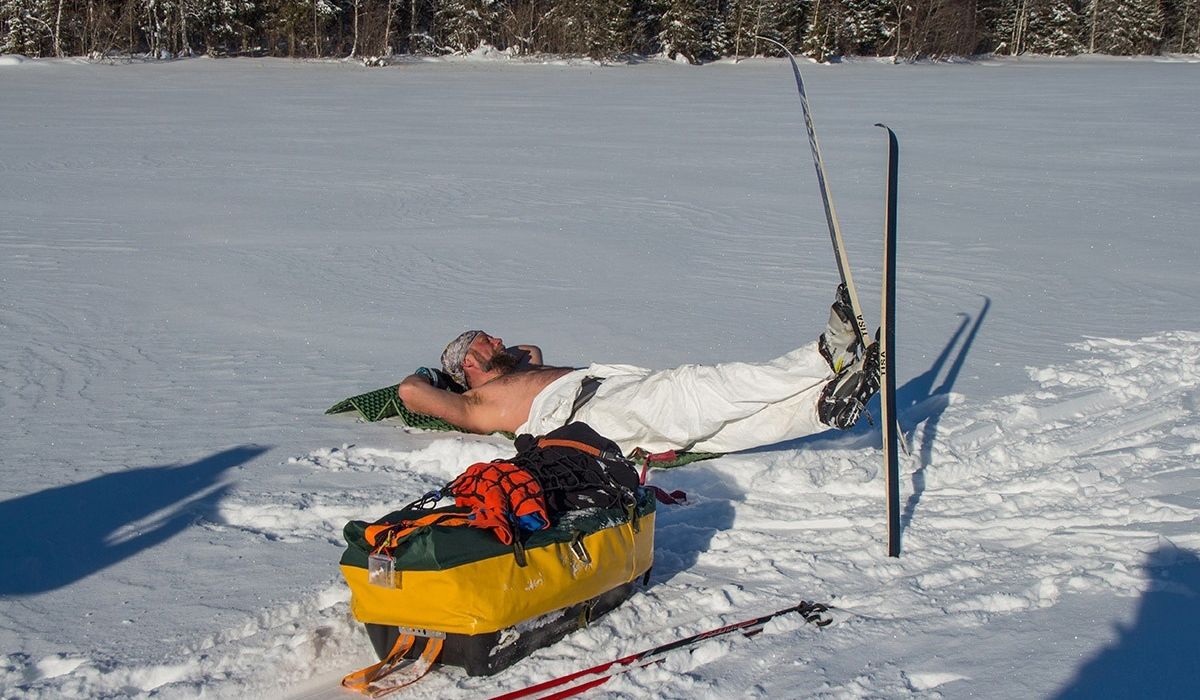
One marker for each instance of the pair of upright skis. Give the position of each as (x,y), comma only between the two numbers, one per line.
(887,324)
(580,681)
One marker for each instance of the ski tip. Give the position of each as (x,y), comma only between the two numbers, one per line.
(891,134)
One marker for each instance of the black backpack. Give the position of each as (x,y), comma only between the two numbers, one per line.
(578,468)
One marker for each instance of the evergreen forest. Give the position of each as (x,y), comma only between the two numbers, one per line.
(605,30)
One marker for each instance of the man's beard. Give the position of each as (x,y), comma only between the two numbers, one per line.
(501,362)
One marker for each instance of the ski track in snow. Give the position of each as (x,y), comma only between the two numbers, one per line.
(1028,495)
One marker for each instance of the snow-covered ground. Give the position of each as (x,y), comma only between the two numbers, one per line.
(198,257)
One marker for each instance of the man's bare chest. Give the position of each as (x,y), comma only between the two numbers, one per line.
(525,382)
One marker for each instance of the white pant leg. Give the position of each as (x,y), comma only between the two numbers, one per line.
(717,408)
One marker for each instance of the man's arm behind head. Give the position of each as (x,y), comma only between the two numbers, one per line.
(422,397)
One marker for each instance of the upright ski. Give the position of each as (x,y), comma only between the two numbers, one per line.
(574,683)
(835,228)
(887,339)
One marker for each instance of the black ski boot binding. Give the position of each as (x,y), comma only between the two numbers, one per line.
(846,395)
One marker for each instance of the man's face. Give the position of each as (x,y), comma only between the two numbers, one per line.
(490,354)
(485,346)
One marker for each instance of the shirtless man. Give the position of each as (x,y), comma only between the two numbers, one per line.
(719,408)
(501,384)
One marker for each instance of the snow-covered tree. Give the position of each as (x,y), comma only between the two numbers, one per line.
(223,24)
(155,24)
(611,29)
(867,26)
(1125,27)
(1040,26)
(745,20)
(1054,28)
(466,24)
(995,22)
(323,12)
(841,27)
(645,17)
(600,29)
(695,29)
(687,29)
(301,23)
(24,25)
(825,31)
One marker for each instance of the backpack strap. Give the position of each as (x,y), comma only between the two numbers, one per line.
(581,446)
(587,389)
(573,444)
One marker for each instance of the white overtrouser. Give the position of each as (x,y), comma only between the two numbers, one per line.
(705,408)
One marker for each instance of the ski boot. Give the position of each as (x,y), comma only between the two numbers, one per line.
(846,395)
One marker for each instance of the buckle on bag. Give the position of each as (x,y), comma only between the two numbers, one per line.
(579,550)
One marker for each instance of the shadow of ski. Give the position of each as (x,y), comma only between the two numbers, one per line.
(920,402)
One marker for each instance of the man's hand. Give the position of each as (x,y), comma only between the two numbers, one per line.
(439,379)
(527,355)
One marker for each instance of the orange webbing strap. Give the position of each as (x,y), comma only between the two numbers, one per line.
(369,681)
(391,533)
(581,446)
(414,672)
(361,679)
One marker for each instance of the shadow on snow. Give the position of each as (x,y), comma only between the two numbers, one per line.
(919,401)
(1155,657)
(683,533)
(61,535)
(916,402)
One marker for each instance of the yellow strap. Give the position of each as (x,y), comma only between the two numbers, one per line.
(361,680)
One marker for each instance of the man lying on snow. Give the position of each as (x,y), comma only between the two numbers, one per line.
(721,408)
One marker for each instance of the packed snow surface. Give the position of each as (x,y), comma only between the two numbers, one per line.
(198,257)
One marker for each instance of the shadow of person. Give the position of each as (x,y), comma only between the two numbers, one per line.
(1155,657)
(919,401)
(55,537)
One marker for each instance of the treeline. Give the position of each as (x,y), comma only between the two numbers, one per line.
(697,30)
